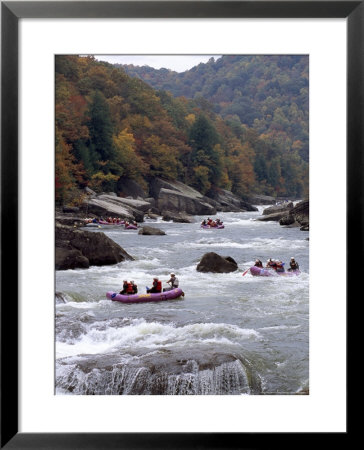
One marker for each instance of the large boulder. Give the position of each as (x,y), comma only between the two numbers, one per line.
(278,208)
(171,200)
(81,249)
(227,201)
(175,196)
(289,222)
(212,262)
(151,231)
(275,217)
(178,217)
(110,205)
(136,206)
(156,184)
(299,215)
(70,258)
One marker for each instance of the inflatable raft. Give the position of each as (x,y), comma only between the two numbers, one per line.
(219,227)
(104,222)
(261,272)
(140,298)
(131,227)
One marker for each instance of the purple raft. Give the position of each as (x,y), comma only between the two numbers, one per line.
(104,222)
(141,298)
(261,272)
(219,227)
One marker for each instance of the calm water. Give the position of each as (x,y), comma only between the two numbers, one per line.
(229,335)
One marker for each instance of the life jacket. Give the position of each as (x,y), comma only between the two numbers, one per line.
(129,289)
(159,286)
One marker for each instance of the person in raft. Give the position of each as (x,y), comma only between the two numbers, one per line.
(173,281)
(134,287)
(293,265)
(279,266)
(156,288)
(258,263)
(125,288)
(271,264)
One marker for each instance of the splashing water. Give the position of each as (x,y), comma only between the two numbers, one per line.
(229,335)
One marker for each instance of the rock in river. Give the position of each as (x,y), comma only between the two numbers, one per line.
(212,262)
(81,249)
(149,231)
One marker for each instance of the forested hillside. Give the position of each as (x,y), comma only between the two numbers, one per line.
(267,93)
(111,126)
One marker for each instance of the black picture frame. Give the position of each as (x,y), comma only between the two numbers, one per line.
(11,12)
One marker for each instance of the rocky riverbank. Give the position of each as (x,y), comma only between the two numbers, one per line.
(172,200)
(289,215)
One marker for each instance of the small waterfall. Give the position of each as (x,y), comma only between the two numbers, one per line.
(229,378)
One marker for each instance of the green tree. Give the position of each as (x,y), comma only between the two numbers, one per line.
(100,127)
(204,140)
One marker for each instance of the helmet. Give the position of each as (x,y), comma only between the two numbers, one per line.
(173,275)
(292,258)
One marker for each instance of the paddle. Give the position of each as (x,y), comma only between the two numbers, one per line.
(247,270)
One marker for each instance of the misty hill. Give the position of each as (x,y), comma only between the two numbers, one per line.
(268,93)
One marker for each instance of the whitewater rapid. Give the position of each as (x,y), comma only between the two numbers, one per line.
(230,334)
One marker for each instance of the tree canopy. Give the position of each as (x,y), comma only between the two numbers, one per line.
(243,128)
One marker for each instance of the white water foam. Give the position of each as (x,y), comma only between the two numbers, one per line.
(143,334)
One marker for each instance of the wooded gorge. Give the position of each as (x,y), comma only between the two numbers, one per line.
(238,123)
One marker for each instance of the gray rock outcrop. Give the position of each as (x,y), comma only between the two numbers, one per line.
(227,201)
(174,196)
(178,217)
(110,205)
(151,231)
(172,200)
(278,208)
(81,249)
(212,262)
(275,217)
(276,212)
(299,215)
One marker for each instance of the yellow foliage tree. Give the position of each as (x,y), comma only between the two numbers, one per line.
(132,165)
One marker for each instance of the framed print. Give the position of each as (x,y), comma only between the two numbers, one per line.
(71,394)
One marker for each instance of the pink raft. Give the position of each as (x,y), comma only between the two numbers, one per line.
(131,227)
(259,272)
(140,298)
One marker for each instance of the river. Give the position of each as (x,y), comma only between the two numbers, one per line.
(229,335)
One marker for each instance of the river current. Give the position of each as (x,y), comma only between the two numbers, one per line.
(229,335)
